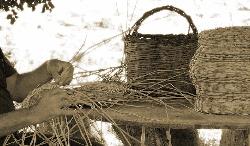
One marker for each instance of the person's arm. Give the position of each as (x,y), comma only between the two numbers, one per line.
(19,85)
(51,104)
(16,120)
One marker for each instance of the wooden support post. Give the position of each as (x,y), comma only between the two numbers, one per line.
(143,136)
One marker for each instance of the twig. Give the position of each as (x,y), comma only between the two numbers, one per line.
(83,44)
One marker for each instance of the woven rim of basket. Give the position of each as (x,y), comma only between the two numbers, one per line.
(135,27)
(226,41)
(227,36)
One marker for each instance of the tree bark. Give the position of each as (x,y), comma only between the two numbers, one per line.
(234,138)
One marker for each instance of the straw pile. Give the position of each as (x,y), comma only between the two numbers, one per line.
(220,71)
(95,96)
(62,130)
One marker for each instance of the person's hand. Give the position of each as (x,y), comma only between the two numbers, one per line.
(52,103)
(61,71)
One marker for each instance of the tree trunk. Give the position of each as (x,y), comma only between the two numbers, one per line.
(234,138)
(184,137)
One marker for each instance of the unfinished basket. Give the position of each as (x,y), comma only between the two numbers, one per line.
(160,61)
(220,71)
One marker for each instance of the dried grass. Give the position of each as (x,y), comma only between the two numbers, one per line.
(110,92)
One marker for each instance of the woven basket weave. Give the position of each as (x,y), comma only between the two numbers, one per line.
(154,58)
(220,71)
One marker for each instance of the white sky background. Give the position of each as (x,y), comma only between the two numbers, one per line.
(37,37)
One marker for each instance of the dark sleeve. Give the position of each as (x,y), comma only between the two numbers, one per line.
(8,68)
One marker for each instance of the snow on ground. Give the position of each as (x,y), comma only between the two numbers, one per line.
(36,37)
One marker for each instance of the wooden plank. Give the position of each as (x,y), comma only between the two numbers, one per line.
(132,111)
(158,116)
(248,139)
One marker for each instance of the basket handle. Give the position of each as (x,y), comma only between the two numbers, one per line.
(135,27)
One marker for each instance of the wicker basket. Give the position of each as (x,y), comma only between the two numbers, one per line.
(160,61)
(220,71)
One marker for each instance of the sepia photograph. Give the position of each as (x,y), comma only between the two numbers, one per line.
(125,73)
